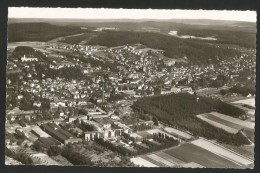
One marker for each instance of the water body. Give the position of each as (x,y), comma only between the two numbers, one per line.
(175,34)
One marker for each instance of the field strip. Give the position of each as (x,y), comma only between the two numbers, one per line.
(230,150)
(228,159)
(222,121)
(170,158)
(192,165)
(177,132)
(142,162)
(221,151)
(153,161)
(234,120)
(160,159)
(218,125)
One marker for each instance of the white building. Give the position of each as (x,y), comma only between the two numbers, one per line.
(29,59)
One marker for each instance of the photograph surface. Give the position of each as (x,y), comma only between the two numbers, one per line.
(130,87)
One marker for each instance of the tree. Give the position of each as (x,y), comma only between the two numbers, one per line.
(38,146)
(223,92)
(54,151)
(155,120)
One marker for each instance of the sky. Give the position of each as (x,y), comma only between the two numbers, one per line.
(101,13)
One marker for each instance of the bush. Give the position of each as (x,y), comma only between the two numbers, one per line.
(54,151)
(75,157)
(21,157)
(38,146)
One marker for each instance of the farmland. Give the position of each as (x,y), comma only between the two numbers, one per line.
(198,153)
(250,102)
(229,124)
(215,122)
(178,133)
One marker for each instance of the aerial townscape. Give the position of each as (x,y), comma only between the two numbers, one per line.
(135,93)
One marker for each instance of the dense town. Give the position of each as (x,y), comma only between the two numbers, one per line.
(73,104)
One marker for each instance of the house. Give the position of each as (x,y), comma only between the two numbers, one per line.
(92,135)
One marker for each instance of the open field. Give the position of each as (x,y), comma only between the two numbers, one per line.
(199,153)
(217,124)
(192,153)
(161,160)
(154,161)
(170,158)
(249,131)
(192,165)
(221,151)
(142,162)
(175,34)
(177,132)
(250,102)
(245,150)
(229,124)
(237,121)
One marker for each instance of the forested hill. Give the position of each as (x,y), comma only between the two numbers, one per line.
(20,51)
(197,52)
(18,32)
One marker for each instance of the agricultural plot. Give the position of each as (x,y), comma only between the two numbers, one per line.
(245,150)
(142,162)
(199,153)
(235,124)
(223,152)
(245,124)
(170,158)
(217,124)
(250,102)
(192,165)
(154,161)
(192,153)
(161,160)
(178,133)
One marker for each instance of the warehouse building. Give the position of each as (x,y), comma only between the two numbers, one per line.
(59,134)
